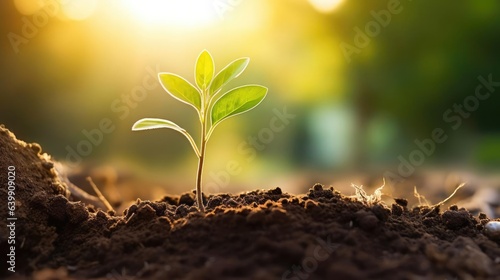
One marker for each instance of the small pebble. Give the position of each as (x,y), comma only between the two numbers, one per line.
(492,230)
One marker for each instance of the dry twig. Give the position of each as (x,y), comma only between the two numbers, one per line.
(99,195)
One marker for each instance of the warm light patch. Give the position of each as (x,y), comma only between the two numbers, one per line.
(325,6)
(28,7)
(78,9)
(173,12)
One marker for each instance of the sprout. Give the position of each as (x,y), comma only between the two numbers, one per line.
(202,98)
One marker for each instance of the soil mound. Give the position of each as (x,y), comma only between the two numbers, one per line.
(263,234)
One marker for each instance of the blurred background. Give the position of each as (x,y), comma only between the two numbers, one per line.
(353,87)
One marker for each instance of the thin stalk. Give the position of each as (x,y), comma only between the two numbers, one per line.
(201,159)
(201,155)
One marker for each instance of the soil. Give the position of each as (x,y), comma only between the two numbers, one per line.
(263,234)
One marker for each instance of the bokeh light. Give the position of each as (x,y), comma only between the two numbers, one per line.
(325,6)
(181,13)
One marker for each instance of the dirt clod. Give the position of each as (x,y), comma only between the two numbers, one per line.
(366,220)
(401,201)
(456,219)
(187,198)
(396,210)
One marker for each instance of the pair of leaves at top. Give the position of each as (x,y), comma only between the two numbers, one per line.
(200,97)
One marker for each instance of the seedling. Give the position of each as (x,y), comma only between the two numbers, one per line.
(201,97)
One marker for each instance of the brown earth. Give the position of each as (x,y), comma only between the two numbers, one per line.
(254,235)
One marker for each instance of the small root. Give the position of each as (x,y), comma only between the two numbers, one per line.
(367,199)
(420,197)
(435,206)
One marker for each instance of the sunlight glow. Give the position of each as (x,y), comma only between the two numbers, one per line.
(78,9)
(325,6)
(184,13)
(27,7)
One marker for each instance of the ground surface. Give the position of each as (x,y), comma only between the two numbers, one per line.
(256,235)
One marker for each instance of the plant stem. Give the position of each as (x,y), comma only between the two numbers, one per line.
(201,156)
(199,195)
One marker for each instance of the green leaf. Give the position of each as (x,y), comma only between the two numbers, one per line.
(231,71)
(181,89)
(237,101)
(204,71)
(153,123)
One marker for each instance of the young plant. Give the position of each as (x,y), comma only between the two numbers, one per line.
(201,97)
